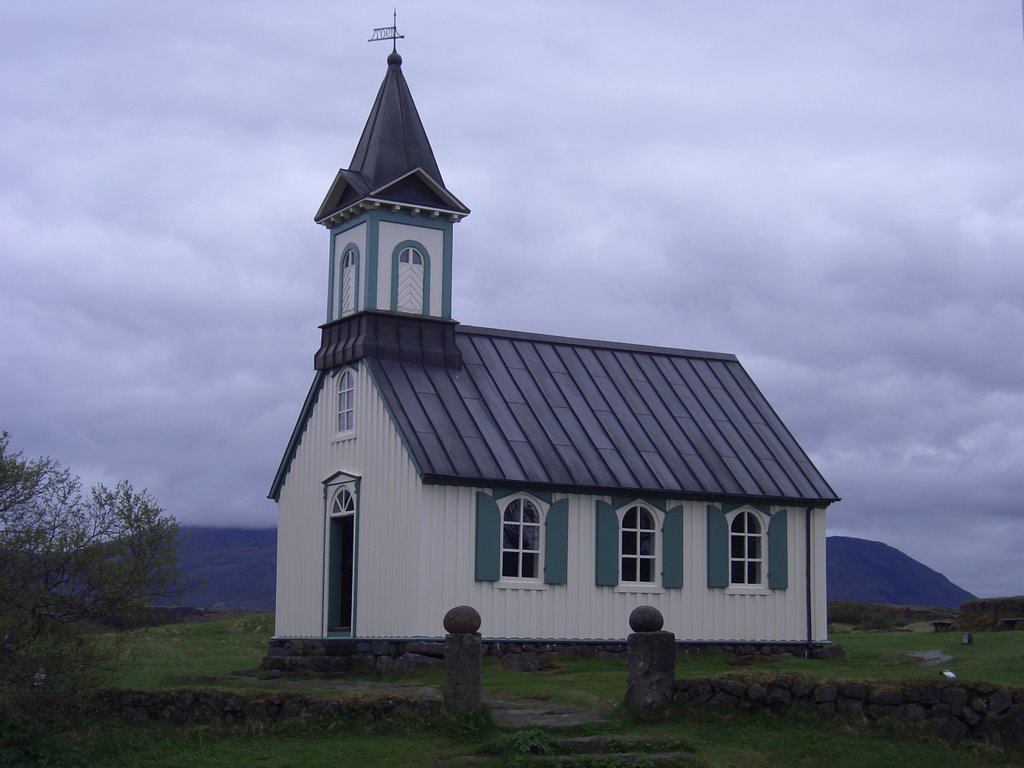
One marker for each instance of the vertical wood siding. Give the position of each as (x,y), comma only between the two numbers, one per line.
(416,548)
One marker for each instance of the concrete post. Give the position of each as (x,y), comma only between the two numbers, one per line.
(650,661)
(463,660)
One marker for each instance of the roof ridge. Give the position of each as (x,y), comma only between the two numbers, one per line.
(595,343)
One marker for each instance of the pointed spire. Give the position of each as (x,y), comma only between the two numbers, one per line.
(393,141)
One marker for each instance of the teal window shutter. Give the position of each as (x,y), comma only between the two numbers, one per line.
(488,538)
(718,548)
(672,548)
(778,555)
(606,554)
(556,543)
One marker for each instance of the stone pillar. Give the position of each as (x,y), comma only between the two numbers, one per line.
(650,660)
(463,660)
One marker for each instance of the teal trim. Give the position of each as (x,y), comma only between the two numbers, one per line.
(672,549)
(372,261)
(504,493)
(293,442)
(488,538)
(620,502)
(778,551)
(732,506)
(330,278)
(374,219)
(718,548)
(556,543)
(425,309)
(606,545)
(446,274)
(348,247)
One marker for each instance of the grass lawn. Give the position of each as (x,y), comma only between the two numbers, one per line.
(202,653)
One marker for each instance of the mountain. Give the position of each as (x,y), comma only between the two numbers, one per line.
(238,566)
(873,572)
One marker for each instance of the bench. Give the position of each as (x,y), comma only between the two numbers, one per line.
(942,625)
(1010,623)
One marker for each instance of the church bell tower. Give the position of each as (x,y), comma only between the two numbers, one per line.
(390,216)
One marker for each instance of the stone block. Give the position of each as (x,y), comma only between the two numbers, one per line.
(887,698)
(425,648)
(650,669)
(825,693)
(463,657)
(1000,701)
(950,729)
(521,662)
(408,662)
(724,700)
(915,713)
(827,708)
(953,695)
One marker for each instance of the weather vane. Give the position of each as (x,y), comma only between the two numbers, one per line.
(388,33)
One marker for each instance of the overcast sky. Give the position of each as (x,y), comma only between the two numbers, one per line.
(831,191)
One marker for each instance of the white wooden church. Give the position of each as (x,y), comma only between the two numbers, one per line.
(552,483)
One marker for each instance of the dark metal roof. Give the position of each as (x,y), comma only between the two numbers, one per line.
(393,141)
(549,412)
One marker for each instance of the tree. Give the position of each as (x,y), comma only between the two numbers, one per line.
(71,563)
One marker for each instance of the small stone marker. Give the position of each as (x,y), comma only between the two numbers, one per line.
(650,661)
(463,660)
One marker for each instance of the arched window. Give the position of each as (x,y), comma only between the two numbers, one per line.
(348,282)
(639,535)
(344,503)
(746,550)
(410,280)
(520,540)
(346,402)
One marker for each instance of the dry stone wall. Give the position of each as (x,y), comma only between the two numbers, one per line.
(952,710)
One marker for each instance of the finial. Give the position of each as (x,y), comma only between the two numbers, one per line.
(389,33)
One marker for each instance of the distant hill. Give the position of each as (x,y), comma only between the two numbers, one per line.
(873,572)
(238,566)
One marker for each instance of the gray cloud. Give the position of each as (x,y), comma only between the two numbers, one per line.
(831,192)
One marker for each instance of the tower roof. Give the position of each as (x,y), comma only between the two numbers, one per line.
(393,161)
(393,141)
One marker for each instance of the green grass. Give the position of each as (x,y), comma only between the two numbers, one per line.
(203,653)
(174,655)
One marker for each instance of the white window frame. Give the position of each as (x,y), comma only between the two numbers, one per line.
(636,585)
(345,408)
(536,581)
(416,261)
(745,559)
(348,271)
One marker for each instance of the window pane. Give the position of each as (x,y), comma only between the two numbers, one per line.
(512,513)
(737,573)
(753,573)
(646,570)
(530,513)
(531,537)
(646,520)
(646,543)
(754,547)
(737,546)
(629,542)
(628,569)
(529,566)
(510,564)
(629,519)
(510,536)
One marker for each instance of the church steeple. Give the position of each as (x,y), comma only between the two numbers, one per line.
(393,141)
(390,215)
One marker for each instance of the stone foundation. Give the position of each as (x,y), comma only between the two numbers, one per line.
(336,655)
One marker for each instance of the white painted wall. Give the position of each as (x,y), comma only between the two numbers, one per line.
(416,549)
(356,235)
(390,235)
